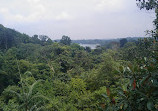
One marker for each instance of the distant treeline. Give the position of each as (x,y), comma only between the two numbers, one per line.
(104,41)
(11,38)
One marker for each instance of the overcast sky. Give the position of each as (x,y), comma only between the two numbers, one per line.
(78,19)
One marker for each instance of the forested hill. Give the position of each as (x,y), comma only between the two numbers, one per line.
(11,38)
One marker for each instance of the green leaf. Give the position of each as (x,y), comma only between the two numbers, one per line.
(131,81)
(144,79)
(150,105)
(122,94)
(104,95)
(125,106)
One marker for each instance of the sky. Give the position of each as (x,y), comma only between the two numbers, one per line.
(78,19)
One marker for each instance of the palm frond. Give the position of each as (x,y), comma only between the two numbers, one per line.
(40,108)
(39,96)
(14,92)
(32,87)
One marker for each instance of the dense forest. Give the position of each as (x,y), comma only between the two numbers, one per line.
(38,74)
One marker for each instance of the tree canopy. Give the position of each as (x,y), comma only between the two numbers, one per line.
(37,74)
(65,40)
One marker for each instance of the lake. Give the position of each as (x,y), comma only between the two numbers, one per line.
(92,46)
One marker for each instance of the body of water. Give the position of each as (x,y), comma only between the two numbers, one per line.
(92,46)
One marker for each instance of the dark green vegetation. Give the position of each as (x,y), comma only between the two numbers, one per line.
(37,74)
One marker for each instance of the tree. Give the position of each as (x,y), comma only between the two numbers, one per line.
(138,91)
(11,38)
(43,38)
(49,41)
(35,39)
(6,38)
(150,5)
(123,42)
(147,4)
(65,40)
(26,96)
(88,49)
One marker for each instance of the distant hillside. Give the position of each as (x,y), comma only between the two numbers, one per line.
(11,38)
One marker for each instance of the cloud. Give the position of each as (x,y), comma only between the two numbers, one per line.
(23,11)
(33,1)
(76,18)
(3,10)
(64,16)
(110,5)
(30,11)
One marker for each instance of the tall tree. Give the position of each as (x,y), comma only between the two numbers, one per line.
(65,40)
(123,42)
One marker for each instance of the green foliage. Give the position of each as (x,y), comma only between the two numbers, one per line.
(11,38)
(23,97)
(74,78)
(105,74)
(147,4)
(123,42)
(65,40)
(139,86)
